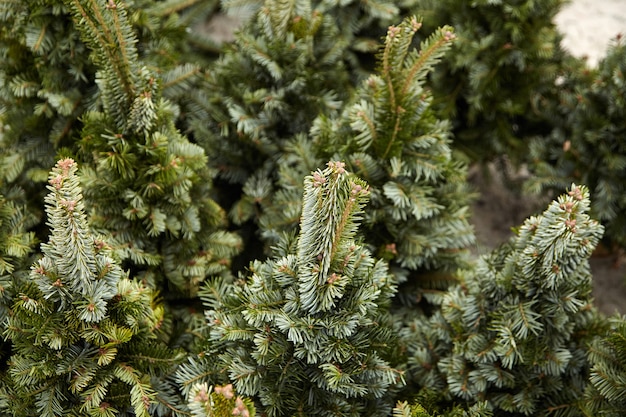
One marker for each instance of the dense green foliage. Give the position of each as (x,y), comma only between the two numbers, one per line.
(587,143)
(308,333)
(507,55)
(48,81)
(519,326)
(83,334)
(128,142)
(390,136)
(16,244)
(290,57)
(606,395)
(208,260)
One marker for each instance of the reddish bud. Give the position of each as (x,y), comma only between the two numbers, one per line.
(567,145)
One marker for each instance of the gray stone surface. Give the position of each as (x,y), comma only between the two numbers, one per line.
(590,25)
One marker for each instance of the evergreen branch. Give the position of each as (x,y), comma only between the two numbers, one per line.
(179,75)
(396,67)
(105,28)
(398,112)
(327,216)
(279,17)
(387,68)
(102,39)
(70,230)
(124,37)
(170,7)
(188,376)
(40,38)
(285,332)
(431,50)
(177,411)
(141,395)
(523,309)
(78,301)
(15,242)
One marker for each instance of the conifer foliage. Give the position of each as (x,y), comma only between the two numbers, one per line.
(16,247)
(606,393)
(16,243)
(361,300)
(82,333)
(290,56)
(42,92)
(146,185)
(507,55)
(520,323)
(47,80)
(586,144)
(308,333)
(390,136)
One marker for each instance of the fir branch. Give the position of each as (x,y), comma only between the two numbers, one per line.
(322,205)
(606,393)
(171,7)
(286,332)
(15,242)
(80,326)
(396,68)
(105,28)
(522,319)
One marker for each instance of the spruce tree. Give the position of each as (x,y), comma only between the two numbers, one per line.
(283,69)
(44,88)
(391,137)
(519,324)
(586,144)
(360,25)
(308,331)
(146,186)
(47,81)
(83,334)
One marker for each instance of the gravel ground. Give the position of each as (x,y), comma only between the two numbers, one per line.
(590,25)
